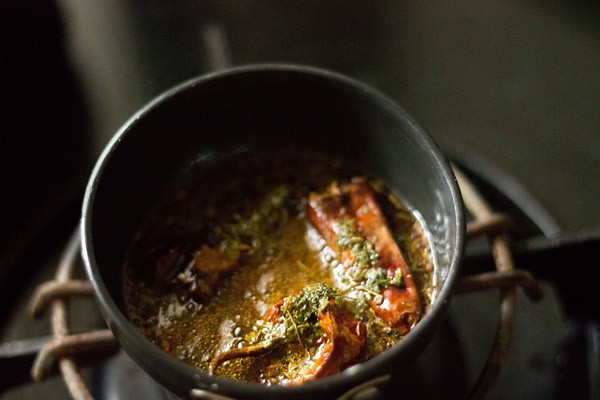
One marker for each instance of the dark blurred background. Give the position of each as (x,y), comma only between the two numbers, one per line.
(515,82)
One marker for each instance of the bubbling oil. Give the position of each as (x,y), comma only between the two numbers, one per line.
(281,256)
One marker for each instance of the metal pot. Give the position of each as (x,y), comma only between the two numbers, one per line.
(266,106)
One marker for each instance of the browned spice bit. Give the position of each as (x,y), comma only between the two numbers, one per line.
(201,278)
(248,351)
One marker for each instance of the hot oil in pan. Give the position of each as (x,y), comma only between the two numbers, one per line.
(232,241)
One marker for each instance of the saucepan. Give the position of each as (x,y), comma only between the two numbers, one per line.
(267,107)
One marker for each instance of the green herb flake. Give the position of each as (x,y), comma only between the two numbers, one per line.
(299,316)
(362,251)
(397,278)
